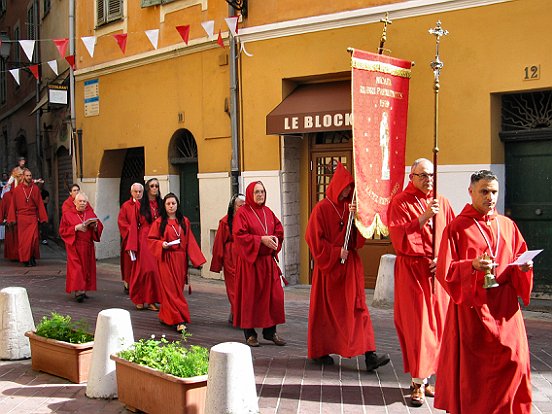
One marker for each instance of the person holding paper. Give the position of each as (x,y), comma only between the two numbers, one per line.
(173,244)
(339,320)
(420,304)
(144,282)
(127,222)
(258,237)
(79,229)
(484,343)
(224,256)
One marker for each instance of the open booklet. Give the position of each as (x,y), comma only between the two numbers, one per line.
(89,221)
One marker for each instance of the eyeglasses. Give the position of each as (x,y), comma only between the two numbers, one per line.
(424,176)
(154,186)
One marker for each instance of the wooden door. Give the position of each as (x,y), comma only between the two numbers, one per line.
(189,196)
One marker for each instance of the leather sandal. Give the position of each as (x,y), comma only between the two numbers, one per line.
(153,307)
(139,307)
(429,390)
(278,340)
(180,328)
(417,396)
(252,341)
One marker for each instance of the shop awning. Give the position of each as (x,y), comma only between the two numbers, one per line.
(312,108)
(43,101)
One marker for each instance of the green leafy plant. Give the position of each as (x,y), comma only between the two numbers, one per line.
(63,328)
(169,357)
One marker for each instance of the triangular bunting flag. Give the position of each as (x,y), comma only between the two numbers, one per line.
(121,41)
(232,23)
(34,70)
(15,74)
(153,36)
(219,39)
(61,45)
(209,27)
(184,32)
(90,44)
(71,60)
(54,66)
(28,48)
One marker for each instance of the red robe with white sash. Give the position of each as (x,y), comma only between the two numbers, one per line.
(484,365)
(81,256)
(27,210)
(339,320)
(259,294)
(420,306)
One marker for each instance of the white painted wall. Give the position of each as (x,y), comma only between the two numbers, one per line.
(106,205)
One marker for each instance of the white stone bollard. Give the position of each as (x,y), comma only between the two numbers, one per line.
(231,382)
(16,318)
(113,334)
(385,283)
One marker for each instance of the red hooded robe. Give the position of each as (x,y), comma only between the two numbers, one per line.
(173,267)
(339,320)
(224,257)
(259,294)
(81,256)
(420,307)
(484,344)
(27,210)
(128,228)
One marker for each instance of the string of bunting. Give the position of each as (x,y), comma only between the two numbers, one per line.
(89,42)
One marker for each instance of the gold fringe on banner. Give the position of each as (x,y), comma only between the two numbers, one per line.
(382,67)
(377,228)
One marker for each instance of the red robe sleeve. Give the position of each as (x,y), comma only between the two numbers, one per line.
(67,227)
(42,214)
(522,281)
(326,253)
(221,238)
(192,249)
(155,239)
(11,208)
(404,227)
(248,244)
(128,225)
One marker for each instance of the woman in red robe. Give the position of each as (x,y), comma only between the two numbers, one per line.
(144,282)
(223,250)
(339,321)
(484,363)
(258,237)
(172,243)
(79,229)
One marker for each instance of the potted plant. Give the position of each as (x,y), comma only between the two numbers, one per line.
(61,347)
(158,376)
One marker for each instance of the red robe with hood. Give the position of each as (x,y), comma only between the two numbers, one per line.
(144,283)
(11,251)
(224,257)
(420,307)
(173,267)
(339,320)
(484,365)
(259,294)
(81,256)
(27,210)
(128,228)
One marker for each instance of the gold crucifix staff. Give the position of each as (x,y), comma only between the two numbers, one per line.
(436,65)
(385,20)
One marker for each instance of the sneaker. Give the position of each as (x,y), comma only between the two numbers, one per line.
(374,361)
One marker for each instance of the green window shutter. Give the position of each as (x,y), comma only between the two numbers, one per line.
(115,10)
(147,3)
(100,12)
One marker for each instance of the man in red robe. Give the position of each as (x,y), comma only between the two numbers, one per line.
(484,364)
(223,250)
(69,203)
(127,222)
(79,229)
(27,210)
(258,237)
(420,303)
(339,320)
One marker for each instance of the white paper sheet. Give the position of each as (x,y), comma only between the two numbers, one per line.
(525,257)
(177,241)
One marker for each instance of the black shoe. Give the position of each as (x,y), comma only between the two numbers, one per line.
(33,261)
(278,340)
(373,361)
(80,298)
(324,360)
(125,288)
(27,264)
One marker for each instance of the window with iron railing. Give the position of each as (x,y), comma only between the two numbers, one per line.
(108,11)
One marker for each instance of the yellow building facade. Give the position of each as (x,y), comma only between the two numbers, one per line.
(293,55)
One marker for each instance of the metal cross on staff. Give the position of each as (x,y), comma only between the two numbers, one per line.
(385,20)
(436,65)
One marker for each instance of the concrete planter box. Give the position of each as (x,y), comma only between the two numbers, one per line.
(152,391)
(62,359)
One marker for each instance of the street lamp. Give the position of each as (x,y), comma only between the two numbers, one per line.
(5,46)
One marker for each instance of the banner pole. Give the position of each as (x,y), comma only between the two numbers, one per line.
(436,66)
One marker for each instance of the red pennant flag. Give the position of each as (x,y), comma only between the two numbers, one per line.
(184,32)
(219,40)
(71,61)
(121,41)
(34,69)
(61,45)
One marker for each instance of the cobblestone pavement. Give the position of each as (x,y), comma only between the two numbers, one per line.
(286,381)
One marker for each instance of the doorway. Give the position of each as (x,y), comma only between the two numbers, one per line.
(132,172)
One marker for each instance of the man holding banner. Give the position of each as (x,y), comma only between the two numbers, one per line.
(339,321)
(420,303)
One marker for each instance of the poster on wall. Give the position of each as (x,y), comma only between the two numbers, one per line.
(380,108)
(92,97)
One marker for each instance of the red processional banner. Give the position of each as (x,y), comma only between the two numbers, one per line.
(380,107)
